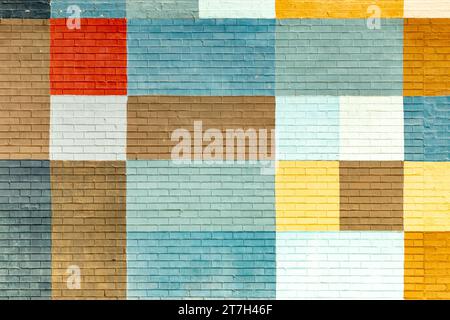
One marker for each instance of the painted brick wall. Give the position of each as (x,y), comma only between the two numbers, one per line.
(88,127)
(202,265)
(161,9)
(24,89)
(88,228)
(153,119)
(352,200)
(167,196)
(25,9)
(358,61)
(201,57)
(25,229)
(340,265)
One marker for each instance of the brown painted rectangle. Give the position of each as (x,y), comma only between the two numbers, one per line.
(371,195)
(24,89)
(89,228)
(152,119)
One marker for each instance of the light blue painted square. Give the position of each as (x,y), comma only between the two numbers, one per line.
(427,128)
(201,265)
(230,57)
(339,57)
(307,128)
(89,8)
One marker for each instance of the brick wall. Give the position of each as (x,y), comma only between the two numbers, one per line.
(24,89)
(89,228)
(348,198)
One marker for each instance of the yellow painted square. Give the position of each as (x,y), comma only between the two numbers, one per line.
(427,196)
(307,195)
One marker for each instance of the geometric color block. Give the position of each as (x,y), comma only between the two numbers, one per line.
(201,57)
(307,128)
(91,60)
(161,9)
(426,62)
(427,123)
(236,9)
(338,9)
(340,265)
(427,196)
(88,128)
(170,196)
(24,88)
(371,128)
(371,195)
(427,9)
(307,195)
(201,265)
(25,230)
(339,57)
(25,9)
(89,8)
(151,121)
(427,268)
(88,229)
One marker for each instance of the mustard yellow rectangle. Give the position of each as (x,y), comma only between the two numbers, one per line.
(339,9)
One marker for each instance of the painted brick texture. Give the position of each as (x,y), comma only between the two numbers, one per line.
(427,120)
(338,57)
(212,57)
(224,149)
(25,229)
(307,195)
(91,60)
(153,119)
(426,63)
(371,195)
(88,8)
(201,265)
(167,196)
(25,9)
(24,89)
(338,9)
(340,265)
(88,128)
(162,9)
(427,266)
(89,228)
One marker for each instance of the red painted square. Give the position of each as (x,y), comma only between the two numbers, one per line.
(91,60)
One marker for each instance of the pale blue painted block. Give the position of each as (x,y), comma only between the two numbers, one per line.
(170,196)
(340,265)
(307,128)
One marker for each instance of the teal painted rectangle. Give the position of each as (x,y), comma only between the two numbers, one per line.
(201,265)
(339,57)
(169,196)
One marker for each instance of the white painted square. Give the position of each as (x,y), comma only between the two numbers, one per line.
(236,9)
(371,128)
(88,128)
(339,265)
(427,9)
